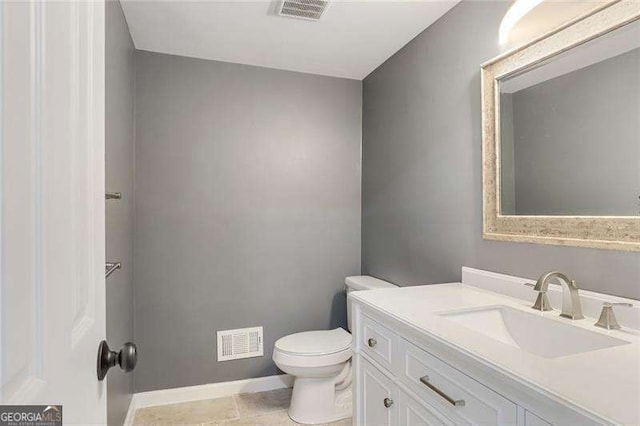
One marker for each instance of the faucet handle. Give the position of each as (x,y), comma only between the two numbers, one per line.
(542,301)
(607,318)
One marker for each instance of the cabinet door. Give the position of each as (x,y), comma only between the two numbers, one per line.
(413,413)
(378,397)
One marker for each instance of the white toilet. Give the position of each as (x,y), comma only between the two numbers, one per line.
(320,361)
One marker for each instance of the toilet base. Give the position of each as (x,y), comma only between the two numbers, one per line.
(316,400)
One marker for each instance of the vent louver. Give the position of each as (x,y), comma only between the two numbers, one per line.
(240,343)
(303,9)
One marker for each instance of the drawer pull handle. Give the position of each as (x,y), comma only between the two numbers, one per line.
(454,402)
(372,342)
(388,402)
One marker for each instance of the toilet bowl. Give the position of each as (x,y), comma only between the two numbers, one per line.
(316,359)
(320,362)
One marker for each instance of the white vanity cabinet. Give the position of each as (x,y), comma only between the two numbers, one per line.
(403,377)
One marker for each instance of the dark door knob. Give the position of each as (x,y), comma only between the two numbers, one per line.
(126,358)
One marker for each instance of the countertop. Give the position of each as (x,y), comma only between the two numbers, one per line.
(604,382)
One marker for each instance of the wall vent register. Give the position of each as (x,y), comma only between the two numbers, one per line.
(240,343)
(303,9)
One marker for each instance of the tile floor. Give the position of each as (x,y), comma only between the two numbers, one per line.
(248,409)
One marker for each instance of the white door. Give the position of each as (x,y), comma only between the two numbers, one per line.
(377,397)
(52,299)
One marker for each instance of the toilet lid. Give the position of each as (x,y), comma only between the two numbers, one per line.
(322,342)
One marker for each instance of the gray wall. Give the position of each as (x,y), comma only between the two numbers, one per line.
(577,141)
(422,168)
(119,134)
(247,211)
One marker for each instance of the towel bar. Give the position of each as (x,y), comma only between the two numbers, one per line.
(111,267)
(113,196)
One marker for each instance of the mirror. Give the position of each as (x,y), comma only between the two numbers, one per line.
(561,135)
(570,131)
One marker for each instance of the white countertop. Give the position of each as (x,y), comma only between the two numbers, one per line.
(605,382)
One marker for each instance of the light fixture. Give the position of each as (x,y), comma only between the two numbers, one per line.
(518,10)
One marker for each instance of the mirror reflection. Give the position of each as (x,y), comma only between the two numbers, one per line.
(570,132)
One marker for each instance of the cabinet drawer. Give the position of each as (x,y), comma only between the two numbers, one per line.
(378,342)
(455,394)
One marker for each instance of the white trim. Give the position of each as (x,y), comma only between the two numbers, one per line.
(208,391)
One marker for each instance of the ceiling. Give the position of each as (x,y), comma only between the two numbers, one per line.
(350,40)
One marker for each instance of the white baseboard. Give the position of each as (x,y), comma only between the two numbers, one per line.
(209,391)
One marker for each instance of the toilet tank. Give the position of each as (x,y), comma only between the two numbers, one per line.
(363,282)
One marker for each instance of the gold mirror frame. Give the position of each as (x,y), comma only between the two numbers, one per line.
(606,232)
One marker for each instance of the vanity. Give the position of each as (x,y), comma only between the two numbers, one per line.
(476,353)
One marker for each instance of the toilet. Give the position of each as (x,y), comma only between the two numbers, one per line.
(320,362)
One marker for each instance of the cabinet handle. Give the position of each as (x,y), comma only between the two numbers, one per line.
(372,342)
(454,402)
(388,402)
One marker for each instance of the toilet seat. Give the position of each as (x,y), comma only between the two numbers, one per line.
(321,342)
(313,348)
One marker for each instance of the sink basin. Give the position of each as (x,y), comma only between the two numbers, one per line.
(531,332)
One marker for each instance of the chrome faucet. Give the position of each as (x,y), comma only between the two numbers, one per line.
(571,307)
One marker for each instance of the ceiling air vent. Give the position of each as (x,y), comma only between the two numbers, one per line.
(303,9)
